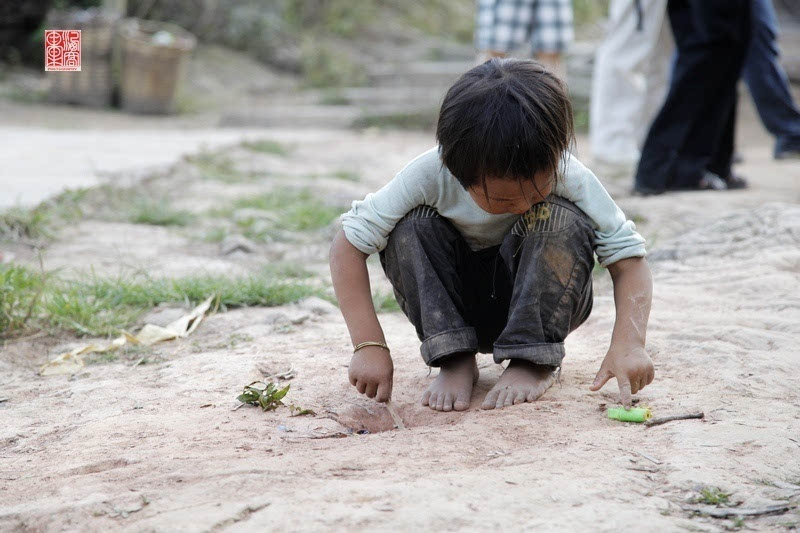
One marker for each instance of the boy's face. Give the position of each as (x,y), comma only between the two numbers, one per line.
(511,196)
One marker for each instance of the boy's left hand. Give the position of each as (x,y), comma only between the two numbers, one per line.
(632,367)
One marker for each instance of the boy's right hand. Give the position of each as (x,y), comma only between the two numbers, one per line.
(371,371)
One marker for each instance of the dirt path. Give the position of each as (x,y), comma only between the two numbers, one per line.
(159,446)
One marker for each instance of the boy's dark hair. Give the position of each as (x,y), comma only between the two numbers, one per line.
(507,119)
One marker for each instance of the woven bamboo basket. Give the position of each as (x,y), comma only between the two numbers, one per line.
(93,85)
(154,58)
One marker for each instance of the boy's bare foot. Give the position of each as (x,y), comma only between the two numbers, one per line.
(452,388)
(521,382)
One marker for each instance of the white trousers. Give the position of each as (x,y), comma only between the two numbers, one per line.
(631,78)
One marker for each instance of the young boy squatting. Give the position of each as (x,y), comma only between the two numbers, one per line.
(488,240)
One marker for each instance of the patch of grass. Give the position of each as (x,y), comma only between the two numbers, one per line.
(158,213)
(347,175)
(265,146)
(215,235)
(385,302)
(217,167)
(42,221)
(296,209)
(102,358)
(713,496)
(419,120)
(98,306)
(334,97)
(737,522)
(287,271)
(20,291)
(25,96)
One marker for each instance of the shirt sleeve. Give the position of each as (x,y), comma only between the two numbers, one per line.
(368,223)
(615,236)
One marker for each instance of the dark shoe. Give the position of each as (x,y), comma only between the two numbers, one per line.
(791,153)
(735,181)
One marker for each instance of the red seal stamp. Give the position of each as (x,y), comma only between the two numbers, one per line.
(62,50)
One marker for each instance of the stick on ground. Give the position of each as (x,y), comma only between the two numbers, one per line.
(672,418)
(396,417)
(735,511)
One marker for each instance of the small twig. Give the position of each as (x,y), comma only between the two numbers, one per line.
(396,417)
(649,458)
(280,375)
(137,363)
(672,418)
(26,338)
(737,511)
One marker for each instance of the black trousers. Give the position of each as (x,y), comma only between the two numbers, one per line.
(519,299)
(694,130)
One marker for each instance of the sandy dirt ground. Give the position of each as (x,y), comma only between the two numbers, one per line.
(161,447)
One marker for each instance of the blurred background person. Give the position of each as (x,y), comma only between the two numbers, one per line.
(630,81)
(768,83)
(690,143)
(503,25)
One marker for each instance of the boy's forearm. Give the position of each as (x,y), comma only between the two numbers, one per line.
(633,293)
(351,284)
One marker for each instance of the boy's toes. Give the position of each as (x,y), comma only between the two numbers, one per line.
(426,397)
(448,402)
(462,402)
(520,397)
(491,399)
(510,397)
(501,399)
(440,402)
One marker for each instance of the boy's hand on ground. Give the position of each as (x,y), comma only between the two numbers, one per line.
(632,367)
(371,371)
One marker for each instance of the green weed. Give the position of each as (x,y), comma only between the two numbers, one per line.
(99,306)
(334,97)
(217,167)
(265,146)
(297,209)
(266,395)
(158,213)
(20,292)
(713,496)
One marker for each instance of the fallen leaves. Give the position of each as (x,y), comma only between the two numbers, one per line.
(71,362)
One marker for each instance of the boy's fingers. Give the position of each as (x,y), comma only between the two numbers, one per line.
(600,379)
(361,386)
(651,376)
(353,380)
(372,390)
(384,392)
(625,393)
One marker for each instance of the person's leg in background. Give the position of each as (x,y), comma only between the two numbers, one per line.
(551,33)
(630,79)
(712,38)
(768,83)
(500,26)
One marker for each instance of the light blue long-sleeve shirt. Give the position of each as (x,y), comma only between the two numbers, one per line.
(426,181)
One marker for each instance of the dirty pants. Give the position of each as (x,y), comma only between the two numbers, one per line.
(517,300)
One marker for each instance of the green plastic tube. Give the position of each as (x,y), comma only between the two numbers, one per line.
(635,414)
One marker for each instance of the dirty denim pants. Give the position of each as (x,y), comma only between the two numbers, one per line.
(517,300)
